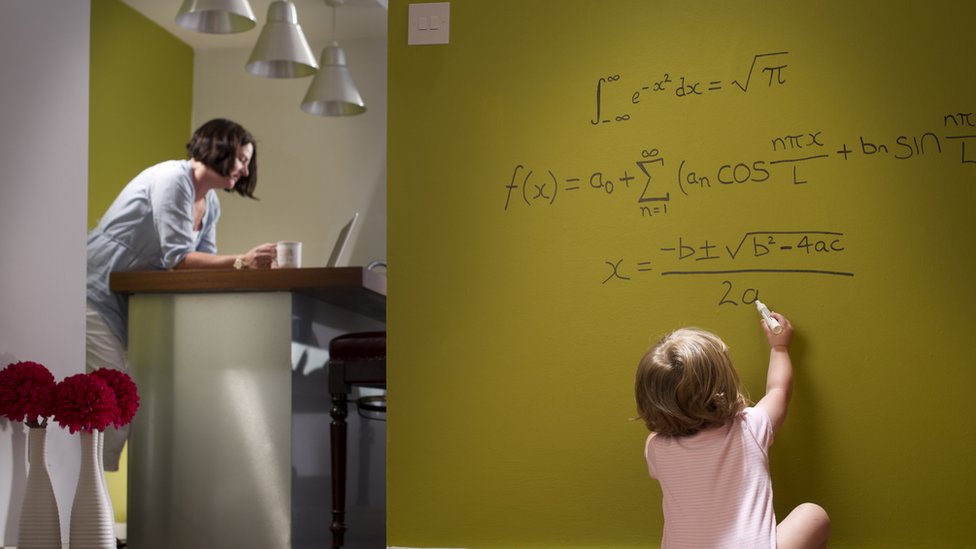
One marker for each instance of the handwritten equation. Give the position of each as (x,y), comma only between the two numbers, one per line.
(765,67)
(685,257)
(649,183)
(765,251)
(657,186)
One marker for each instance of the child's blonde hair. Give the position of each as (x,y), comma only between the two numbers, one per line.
(686,383)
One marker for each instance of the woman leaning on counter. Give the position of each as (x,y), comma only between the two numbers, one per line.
(165,218)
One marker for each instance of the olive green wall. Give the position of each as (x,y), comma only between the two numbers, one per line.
(141,97)
(568,180)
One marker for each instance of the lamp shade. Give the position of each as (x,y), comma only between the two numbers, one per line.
(216,16)
(333,92)
(281,50)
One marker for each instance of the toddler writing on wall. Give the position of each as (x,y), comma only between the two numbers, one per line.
(708,448)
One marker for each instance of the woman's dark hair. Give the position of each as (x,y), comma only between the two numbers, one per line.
(216,144)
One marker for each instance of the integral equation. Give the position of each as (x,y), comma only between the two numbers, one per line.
(652,183)
(765,69)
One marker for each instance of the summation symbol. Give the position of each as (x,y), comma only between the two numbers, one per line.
(544,189)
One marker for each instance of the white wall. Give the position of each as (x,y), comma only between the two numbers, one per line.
(44,59)
(314,172)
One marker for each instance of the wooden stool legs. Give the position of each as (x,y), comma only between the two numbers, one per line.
(355,359)
(337,432)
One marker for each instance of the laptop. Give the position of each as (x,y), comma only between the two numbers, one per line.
(341,241)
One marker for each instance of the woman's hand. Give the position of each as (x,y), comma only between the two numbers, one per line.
(261,257)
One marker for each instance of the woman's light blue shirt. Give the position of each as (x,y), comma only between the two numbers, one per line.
(149,226)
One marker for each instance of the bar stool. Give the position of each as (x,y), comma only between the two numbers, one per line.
(354,359)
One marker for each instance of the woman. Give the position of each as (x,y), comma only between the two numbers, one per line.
(165,218)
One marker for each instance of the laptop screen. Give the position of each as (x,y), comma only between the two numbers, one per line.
(341,241)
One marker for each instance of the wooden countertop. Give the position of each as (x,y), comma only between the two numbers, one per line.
(353,288)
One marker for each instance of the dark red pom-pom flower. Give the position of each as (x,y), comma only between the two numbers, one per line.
(84,402)
(126,393)
(27,393)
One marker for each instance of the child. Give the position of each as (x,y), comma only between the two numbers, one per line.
(708,447)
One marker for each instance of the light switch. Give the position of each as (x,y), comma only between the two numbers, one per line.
(430,23)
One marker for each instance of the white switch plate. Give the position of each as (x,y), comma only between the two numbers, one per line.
(429,23)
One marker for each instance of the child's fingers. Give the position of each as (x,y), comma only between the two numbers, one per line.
(782,319)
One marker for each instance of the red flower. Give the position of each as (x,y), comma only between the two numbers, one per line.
(126,393)
(27,392)
(84,402)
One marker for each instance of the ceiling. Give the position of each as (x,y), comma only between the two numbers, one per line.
(354,19)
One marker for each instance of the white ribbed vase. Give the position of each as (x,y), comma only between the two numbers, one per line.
(101,467)
(92,525)
(40,525)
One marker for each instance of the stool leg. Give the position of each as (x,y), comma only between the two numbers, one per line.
(337,432)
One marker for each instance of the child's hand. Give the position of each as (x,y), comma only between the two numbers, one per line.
(782,339)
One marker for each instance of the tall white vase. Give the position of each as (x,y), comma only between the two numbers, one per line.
(92,524)
(40,525)
(101,467)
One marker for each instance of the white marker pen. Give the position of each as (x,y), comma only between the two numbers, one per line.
(770,321)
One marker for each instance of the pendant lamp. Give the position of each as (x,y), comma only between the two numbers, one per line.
(333,92)
(281,50)
(216,16)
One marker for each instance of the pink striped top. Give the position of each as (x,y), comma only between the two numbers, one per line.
(716,486)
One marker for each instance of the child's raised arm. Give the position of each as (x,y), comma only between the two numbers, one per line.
(779,378)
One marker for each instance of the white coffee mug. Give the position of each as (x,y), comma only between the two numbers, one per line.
(289,254)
